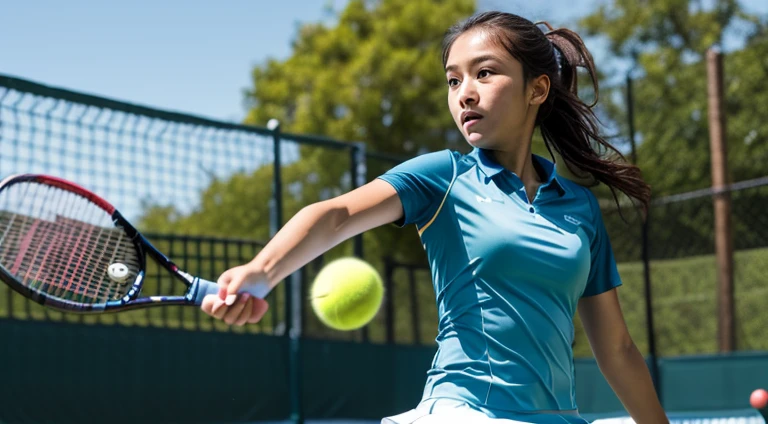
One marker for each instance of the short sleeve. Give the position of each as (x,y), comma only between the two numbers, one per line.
(603,274)
(421,184)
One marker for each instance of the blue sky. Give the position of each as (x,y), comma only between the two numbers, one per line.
(192,56)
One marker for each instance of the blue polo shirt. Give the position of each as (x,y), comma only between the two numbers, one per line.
(508,275)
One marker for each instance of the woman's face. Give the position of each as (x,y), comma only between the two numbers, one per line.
(487,94)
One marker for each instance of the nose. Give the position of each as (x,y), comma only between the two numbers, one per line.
(468,93)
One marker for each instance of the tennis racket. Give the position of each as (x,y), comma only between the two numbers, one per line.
(68,249)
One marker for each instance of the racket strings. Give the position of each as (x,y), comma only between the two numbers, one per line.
(61,244)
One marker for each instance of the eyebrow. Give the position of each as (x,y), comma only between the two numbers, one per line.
(474,62)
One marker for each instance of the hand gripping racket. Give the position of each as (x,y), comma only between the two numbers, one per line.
(68,249)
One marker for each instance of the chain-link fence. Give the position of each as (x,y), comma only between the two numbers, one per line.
(684,269)
(681,269)
(207,194)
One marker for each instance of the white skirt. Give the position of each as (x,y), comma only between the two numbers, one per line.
(445,411)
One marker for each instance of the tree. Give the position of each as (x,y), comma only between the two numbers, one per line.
(375,76)
(668,40)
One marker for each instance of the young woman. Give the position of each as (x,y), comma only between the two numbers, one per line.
(514,247)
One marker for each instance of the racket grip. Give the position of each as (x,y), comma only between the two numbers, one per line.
(202,288)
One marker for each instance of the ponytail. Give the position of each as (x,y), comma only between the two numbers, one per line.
(570,129)
(568,125)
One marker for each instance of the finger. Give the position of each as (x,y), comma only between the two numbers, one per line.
(259,308)
(219,309)
(234,311)
(245,314)
(207,305)
(223,282)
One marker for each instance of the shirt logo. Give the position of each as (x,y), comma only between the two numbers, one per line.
(483,199)
(572,220)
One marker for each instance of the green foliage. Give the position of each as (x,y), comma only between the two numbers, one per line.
(375,76)
(233,208)
(668,40)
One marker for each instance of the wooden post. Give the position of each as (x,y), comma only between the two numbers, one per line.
(722,201)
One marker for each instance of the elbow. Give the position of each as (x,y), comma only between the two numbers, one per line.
(625,345)
(616,350)
(331,216)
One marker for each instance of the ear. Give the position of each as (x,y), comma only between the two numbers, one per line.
(539,90)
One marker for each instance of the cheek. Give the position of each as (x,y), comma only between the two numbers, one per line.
(505,95)
(453,107)
(509,100)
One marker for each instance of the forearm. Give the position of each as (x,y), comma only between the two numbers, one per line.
(627,373)
(311,232)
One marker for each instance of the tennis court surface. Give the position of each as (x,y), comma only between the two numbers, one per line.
(742,416)
(745,416)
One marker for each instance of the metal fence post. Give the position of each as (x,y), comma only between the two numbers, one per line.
(358,170)
(389,299)
(276,203)
(292,290)
(652,350)
(651,333)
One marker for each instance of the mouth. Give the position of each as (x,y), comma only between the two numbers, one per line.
(469,118)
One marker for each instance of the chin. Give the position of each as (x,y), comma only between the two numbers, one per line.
(480,143)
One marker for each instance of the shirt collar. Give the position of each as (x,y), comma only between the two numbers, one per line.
(486,163)
(491,168)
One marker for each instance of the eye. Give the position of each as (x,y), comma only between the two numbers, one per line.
(484,73)
(452,82)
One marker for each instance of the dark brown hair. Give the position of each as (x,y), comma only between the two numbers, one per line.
(568,125)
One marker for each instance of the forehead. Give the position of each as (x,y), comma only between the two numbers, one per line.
(472,44)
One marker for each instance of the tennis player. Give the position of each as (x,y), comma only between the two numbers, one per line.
(515,248)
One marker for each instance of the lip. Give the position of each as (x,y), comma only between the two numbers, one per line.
(467,125)
(469,114)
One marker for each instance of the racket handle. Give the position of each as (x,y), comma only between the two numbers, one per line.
(202,288)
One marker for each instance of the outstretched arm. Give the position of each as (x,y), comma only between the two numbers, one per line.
(312,231)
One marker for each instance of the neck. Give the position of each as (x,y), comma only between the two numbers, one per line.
(519,161)
(515,153)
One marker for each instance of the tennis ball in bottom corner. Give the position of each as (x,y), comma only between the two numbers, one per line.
(347,294)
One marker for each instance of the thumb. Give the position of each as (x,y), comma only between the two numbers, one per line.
(229,283)
(233,282)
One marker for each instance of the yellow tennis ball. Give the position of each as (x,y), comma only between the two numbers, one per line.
(347,294)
